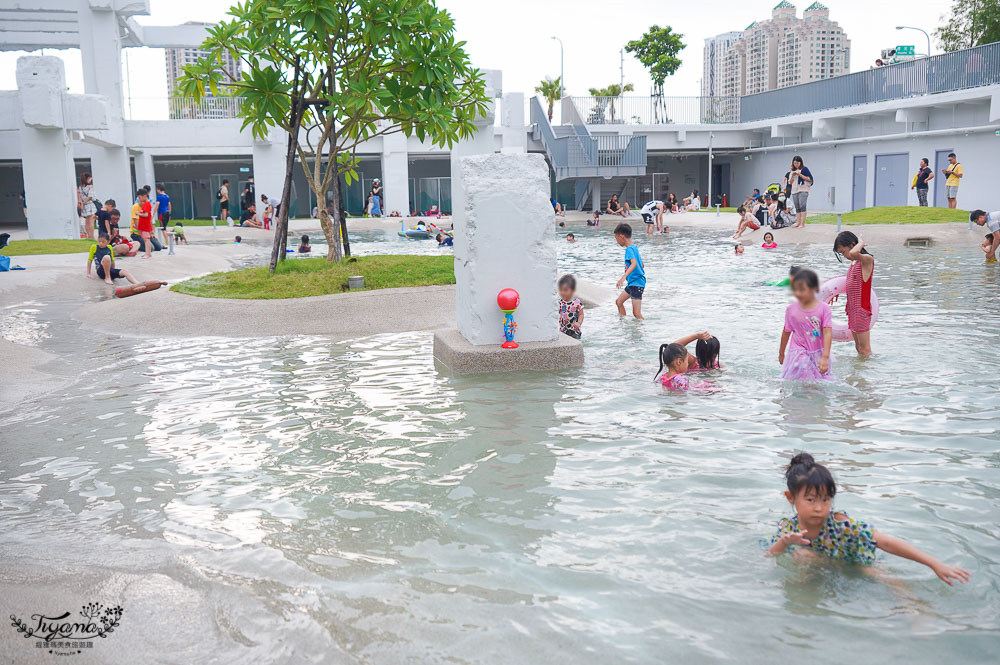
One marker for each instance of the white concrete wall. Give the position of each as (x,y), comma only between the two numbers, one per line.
(833,166)
(504,239)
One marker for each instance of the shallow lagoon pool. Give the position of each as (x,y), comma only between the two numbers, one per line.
(351,502)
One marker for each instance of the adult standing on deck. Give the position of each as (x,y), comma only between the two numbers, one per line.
(224,201)
(802,181)
(954,174)
(924,175)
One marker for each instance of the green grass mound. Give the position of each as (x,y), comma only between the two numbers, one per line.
(300,278)
(894,215)
(36,247)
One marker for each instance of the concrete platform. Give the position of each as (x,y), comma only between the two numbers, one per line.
(462,357)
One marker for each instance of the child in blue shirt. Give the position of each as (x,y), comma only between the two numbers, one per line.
(634,277)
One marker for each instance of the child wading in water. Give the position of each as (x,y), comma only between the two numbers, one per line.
(634,277)
(674,360)
(819,529)
(809,327)
(570,307)
(859,288)
(706,351)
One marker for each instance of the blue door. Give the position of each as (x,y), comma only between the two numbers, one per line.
(860,184)
(891,184)
(940,164)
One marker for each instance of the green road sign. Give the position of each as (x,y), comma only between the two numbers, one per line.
(905,50)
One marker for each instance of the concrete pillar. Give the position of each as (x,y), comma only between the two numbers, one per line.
(46,149)
(101,54)
(269,167)
(395,175)
(144,173)
(595,194)
(504,239)
(112,173)
(515,137)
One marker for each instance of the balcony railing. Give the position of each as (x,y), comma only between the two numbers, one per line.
(959,70)
(657,110)
(182,108)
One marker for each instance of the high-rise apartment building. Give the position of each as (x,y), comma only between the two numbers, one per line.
(209,107)
(776,53)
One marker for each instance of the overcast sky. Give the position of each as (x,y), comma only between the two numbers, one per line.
(515,36)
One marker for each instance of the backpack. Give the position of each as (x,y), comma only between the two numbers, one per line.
(218,194)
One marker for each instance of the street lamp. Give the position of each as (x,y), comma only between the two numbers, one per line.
(910,27)
(562,83)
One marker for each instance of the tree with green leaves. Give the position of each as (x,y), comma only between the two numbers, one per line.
(657,50)
(971,23)
(606,97)
(346,72)
(551,91)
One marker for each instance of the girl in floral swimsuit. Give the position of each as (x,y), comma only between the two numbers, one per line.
(817,528)
(859,288)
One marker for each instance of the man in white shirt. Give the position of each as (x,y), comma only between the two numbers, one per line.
(991,220)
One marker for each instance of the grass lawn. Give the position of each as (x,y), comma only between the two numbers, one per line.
(35,247)
(893,215)
(299,278)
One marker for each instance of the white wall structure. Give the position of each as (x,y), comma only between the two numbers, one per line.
(504,239)
(46,116)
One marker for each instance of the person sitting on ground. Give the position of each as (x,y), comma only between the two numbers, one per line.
(747,221)
(570,237)
(178,232)
(445,240)
(991,220)
(249,218)
(693,202)
(595,220)
(304,247)
(616,208)
(672,204)
(122,246)
(102,259)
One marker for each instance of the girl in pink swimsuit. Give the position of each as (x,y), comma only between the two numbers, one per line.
(859,288)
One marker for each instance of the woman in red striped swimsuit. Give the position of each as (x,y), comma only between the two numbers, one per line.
(859,288)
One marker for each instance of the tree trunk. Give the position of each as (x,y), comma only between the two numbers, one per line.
(551,104)
(281,224)
(341,214)
(332,239)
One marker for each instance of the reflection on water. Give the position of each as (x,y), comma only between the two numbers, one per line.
(363,499)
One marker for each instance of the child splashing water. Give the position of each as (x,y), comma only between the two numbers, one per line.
(818,529)
(809,327)
(859,288)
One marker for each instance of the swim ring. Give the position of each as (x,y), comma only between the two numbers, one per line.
(417,234)
(834,287)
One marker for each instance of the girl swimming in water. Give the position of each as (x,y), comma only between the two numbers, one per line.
(673,357)
(769,241)
(819,529)
(706,351)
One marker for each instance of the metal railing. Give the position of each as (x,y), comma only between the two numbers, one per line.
(657,110)
(182,108)
(578,154)
(959,70)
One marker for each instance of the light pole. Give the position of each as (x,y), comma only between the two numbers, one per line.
(562,83)
(910,27)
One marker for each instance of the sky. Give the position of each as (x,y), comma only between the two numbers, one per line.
(515,36)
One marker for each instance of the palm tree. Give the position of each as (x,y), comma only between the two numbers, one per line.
(551,90)
(612,91)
